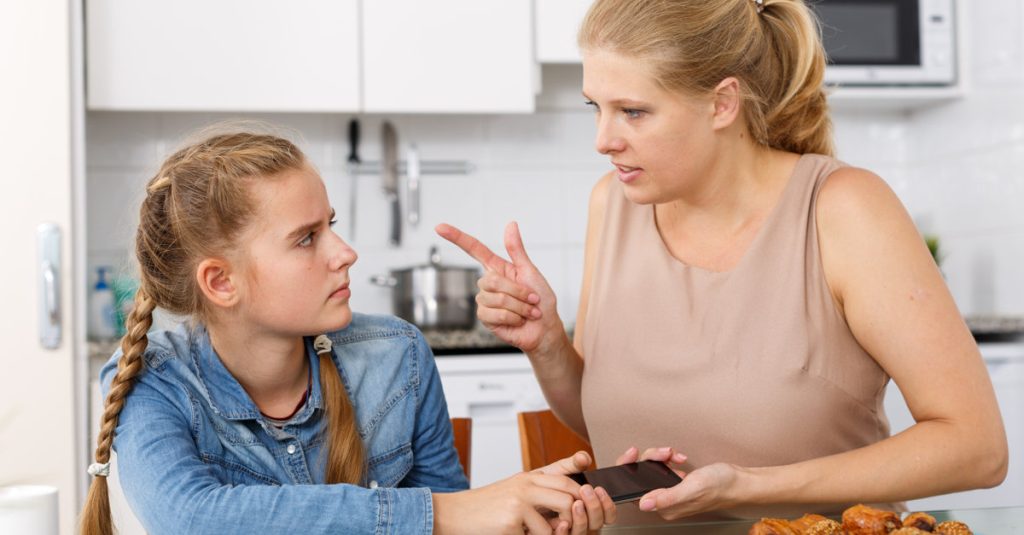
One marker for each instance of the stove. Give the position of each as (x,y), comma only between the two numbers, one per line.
(466,342)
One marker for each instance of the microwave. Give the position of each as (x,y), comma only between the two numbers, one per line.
(888,42)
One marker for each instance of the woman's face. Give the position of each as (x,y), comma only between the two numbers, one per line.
(659,141)
(295,268)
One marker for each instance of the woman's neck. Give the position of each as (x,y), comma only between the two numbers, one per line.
(272,369)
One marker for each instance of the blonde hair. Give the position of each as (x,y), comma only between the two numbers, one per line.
(775,52)
(195,207)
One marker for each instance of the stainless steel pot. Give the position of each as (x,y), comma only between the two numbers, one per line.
(433,296)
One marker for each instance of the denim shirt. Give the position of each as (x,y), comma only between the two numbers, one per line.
(194,454)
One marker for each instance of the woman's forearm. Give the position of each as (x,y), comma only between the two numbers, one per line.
(930,458)
(559,370)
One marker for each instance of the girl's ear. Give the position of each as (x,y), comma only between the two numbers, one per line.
(727,103)
(217,282)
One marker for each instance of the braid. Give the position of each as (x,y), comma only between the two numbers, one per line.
(345,456)
(96,518)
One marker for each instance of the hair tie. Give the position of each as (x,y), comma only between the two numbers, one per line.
(99,469)
(322,344)
(159,184)
(759,4)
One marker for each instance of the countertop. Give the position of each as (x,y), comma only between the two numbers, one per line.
(994,521)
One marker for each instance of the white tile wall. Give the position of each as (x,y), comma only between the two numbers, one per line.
(959,169)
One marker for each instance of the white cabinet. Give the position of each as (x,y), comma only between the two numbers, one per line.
(491,389)
(447,56)
(558,22)
(1005,364)
(228,55)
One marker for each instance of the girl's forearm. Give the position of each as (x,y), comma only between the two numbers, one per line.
(930,458)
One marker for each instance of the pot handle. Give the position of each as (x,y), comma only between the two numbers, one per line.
(384,280)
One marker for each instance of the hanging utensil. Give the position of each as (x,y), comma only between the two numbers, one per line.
(389,180)
(412,173)
(352,167)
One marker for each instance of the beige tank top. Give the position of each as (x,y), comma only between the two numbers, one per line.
(754,366)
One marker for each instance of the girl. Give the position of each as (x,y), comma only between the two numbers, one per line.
(745,292)
(277,409)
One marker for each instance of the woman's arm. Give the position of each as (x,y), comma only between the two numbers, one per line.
(897,305)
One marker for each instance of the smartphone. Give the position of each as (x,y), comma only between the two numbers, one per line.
(628,482)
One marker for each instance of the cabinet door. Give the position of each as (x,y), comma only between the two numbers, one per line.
(39,393)
(558,22)
(453,56)
(225,55)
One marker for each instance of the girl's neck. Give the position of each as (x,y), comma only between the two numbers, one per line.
(272,369)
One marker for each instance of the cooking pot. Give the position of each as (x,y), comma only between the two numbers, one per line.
(432,295)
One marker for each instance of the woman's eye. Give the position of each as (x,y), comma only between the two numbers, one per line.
(332,222)
(591,104)
(633,113)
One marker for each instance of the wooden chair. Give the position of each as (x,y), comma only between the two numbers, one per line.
(463,429)
(544,439)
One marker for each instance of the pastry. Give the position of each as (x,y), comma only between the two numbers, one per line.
(864,520)
(921,521)
(953,527)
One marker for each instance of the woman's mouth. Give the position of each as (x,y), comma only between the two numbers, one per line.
(628,174)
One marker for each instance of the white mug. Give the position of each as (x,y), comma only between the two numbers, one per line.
(28,510)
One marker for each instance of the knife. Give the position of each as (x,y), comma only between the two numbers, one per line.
(352,168)
(389,180)
(412,173)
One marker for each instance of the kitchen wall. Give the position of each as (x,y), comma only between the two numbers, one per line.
(957,166)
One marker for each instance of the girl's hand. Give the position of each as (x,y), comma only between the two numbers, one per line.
(509,506)
(594,510)
(515,300)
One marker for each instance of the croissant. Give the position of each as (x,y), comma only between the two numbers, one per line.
(921,521)
(772,526)
(864,520)
(953,527)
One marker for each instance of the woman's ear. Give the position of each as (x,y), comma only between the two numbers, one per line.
(217,282)
(727,103)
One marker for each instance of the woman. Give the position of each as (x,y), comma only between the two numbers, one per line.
(278,410)
(746,297)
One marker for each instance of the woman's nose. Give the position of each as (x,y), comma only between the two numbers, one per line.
(608,139)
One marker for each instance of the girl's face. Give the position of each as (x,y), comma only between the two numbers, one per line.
(295,269)
(659,141)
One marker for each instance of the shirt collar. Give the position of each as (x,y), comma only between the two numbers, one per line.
(227,397)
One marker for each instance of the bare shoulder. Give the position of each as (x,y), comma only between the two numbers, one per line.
(599,193)
(862,222)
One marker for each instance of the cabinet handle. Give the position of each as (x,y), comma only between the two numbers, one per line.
(48,245)
(491,386)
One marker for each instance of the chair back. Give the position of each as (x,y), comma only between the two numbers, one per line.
(544,439)
(463,430)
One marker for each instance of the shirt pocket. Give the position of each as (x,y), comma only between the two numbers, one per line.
(388,468)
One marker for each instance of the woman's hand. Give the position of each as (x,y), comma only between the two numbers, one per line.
(705,489)
(515,300)
(594,510)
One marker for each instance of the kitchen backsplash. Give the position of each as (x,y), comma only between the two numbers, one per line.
(958,167)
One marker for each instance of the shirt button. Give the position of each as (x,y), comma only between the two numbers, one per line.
(373,484)
(291,449)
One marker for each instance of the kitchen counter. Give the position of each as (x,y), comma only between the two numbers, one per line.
(993,521)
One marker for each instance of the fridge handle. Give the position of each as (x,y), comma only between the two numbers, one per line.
(48,243)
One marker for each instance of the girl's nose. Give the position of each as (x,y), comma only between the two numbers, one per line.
(342,254)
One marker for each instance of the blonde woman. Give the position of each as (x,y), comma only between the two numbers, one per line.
(278,410)
(746,297)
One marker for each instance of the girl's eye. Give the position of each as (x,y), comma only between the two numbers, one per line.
(332,222)
(633,113)
(591,104)
(307,241)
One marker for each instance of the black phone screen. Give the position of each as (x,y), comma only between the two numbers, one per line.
(628,482)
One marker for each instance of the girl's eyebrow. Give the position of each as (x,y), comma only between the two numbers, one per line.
(307,228)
